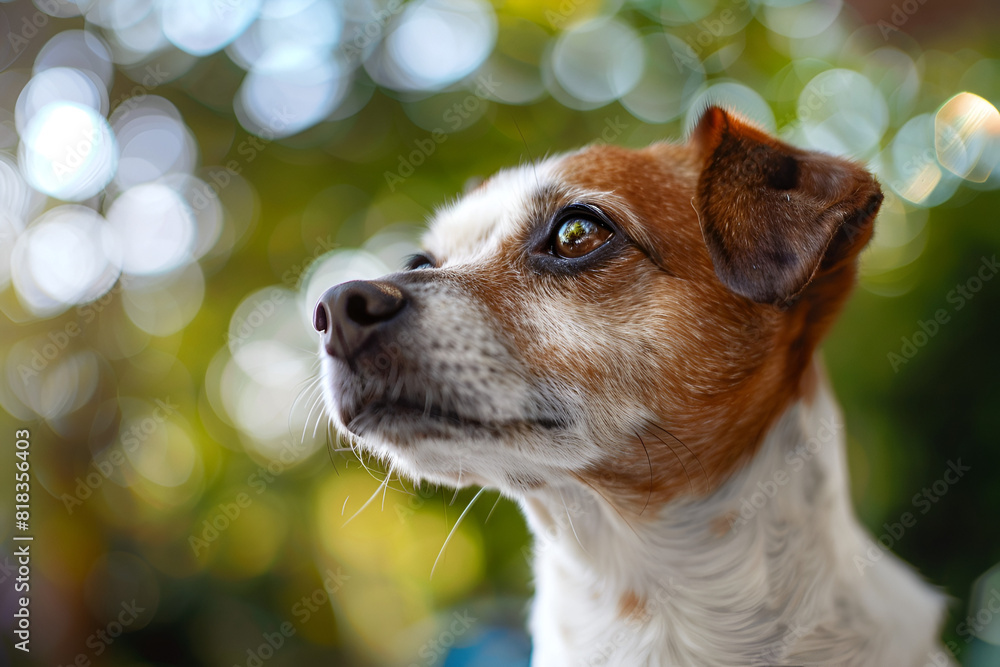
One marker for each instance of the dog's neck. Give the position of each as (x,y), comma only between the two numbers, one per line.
(773,565)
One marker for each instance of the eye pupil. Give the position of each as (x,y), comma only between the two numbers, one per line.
(576,231)
(579,236)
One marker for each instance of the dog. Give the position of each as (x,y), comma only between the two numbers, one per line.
(625,342)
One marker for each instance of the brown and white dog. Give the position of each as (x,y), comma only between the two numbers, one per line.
(624,341)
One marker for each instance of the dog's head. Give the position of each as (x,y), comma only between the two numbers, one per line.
(632,320)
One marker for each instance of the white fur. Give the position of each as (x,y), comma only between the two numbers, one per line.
(472,228)
(791,582)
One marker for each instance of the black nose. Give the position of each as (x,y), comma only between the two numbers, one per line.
(347,315)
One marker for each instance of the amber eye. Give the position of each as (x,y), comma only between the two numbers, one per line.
(578,236)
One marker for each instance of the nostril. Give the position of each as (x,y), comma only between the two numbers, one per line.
(321,321)
(357,310)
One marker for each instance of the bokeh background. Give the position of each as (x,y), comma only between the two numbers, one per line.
(180,179)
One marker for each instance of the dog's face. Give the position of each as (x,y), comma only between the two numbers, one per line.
(628,320)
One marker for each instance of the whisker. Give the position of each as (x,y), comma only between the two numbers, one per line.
(609,504)
(570,518)
(355,446)
(649,494)
(330,438)
(369,501)
(317,401)
(319,416)
(305,350)
(688,449)
(495,503)
(534,168)
(310,386)
(679,459)
(401,489)
(458,486)
(455,527)
(385,487)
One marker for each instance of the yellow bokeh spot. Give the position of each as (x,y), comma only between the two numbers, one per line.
(900,238)
(167,456)
(389,554)
(386,616)
(251,543)
(396,541)
(554,14)
(461,564)
(365,543)
(922,183)
(967,136)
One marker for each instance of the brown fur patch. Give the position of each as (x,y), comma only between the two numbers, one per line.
(631,606)
(725,366)
(721,525)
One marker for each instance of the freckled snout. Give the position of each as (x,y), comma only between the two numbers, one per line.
(349,314)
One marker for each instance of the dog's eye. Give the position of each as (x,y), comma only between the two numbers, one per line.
(419,261)
(578,236)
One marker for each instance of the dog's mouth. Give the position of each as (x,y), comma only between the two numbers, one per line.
(407,419)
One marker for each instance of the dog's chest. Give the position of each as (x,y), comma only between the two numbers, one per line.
(759,573)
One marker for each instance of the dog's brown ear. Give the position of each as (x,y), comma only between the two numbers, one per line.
(773,215)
